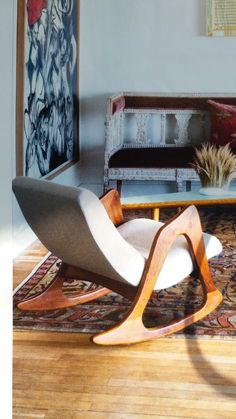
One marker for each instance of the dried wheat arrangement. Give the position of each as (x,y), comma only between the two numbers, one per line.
(215,166)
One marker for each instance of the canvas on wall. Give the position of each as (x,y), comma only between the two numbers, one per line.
(221,17)
(47,103)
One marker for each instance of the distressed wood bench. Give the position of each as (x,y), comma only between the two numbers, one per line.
(153,136)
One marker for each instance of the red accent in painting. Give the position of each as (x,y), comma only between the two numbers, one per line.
(34,8)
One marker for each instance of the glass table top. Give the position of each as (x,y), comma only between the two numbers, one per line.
(177,197)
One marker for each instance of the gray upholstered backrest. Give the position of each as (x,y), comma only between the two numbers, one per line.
(73,224)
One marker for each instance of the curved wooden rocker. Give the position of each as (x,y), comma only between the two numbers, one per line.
(77,212)
(132,329)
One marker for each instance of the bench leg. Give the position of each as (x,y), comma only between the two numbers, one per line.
(179,186)
(118,186)
(188,185)
(106,185)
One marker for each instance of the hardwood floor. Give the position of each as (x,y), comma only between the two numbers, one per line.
(65,376)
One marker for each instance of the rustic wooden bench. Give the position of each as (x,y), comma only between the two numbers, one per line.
(153,136)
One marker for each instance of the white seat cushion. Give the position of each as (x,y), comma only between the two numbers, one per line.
(178,264)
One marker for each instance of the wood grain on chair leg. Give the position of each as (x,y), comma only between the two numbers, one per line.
(53,297)
(132,329)
(111,202)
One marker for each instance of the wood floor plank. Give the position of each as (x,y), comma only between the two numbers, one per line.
(73,414)
(65,376)
(219,364)
(147,388)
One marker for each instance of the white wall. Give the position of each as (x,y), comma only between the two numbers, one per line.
(7,116)
(144,45)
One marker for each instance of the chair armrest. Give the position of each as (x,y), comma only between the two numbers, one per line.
(186,223)
(112,205)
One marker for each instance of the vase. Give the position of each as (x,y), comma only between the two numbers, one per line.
(215,190)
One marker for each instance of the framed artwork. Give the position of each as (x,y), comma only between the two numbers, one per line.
(221,17)
(47,136)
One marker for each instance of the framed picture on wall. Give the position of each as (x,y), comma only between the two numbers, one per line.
(47,135)
(221,17)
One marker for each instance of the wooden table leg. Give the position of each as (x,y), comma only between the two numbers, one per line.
(155,214)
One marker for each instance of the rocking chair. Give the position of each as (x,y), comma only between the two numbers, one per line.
(131,258)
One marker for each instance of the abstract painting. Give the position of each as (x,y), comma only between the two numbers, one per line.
(47,105)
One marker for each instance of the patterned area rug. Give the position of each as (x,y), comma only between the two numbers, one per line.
(163,307)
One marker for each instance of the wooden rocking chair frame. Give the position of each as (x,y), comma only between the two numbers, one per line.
(131,329)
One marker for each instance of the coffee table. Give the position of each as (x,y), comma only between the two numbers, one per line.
(177,199)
